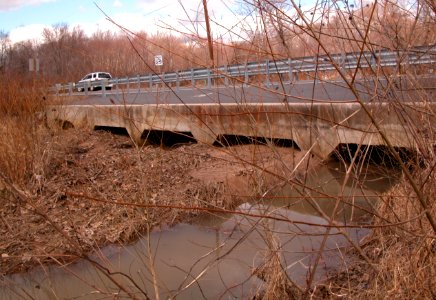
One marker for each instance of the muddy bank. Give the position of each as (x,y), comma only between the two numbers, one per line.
(68,210)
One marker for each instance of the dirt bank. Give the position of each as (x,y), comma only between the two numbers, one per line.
(70,209)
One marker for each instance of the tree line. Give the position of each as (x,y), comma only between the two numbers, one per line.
(282,30)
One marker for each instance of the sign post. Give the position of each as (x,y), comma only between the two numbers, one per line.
(34,65)
(158,62)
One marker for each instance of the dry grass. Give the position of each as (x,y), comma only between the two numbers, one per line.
(49,167)
(58,189)
(277,282)
(404,255)
(45,173)
(22,150)
(45,164)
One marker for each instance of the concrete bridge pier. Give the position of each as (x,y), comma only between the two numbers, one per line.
(202,122)
(318,128)
(204,135)
(320,144)
(135,132)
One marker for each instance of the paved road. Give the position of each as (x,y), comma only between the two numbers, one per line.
(302,91)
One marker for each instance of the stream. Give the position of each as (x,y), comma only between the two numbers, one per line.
(224,256)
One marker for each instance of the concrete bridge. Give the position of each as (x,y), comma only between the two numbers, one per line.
(402,113)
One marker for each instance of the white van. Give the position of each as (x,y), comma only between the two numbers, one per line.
(93,81)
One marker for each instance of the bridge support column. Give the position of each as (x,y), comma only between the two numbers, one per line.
(204,135)
(135,133)
(324,149)
(319,143)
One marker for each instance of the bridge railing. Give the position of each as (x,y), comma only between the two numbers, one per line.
(423,55)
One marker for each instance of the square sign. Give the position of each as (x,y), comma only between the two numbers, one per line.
(158,60)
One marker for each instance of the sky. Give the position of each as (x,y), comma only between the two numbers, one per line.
(25,19)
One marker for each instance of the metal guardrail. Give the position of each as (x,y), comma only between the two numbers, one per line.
(293,67)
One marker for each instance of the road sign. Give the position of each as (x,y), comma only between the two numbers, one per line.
(34,64)
(158,60)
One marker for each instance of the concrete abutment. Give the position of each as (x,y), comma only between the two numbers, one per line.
(315,127)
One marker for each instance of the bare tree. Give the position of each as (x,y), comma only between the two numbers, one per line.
(4,49)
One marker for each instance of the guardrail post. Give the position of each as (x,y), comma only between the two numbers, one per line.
(139,82)
(58,87)
(246,81)
(408,59)
(103,87)
(373,61)
(192,78)
(70,88)
(316,68)
(226,76)
(267,82)
(150,81)
(291,73)
(342,62)
(87,86)
(209,79)
(177,81)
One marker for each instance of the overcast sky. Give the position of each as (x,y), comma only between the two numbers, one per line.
(25,19)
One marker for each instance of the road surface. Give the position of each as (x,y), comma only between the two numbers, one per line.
(298,92)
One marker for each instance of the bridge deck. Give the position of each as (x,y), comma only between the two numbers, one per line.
(318,127)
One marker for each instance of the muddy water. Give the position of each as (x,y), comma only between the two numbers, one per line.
(218,256)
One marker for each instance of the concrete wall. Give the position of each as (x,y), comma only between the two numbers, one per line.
(317,127)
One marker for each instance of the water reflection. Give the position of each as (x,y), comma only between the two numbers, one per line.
(219,257)
(316,192)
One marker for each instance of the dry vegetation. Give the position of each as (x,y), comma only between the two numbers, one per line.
(66,192)
(55,186)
